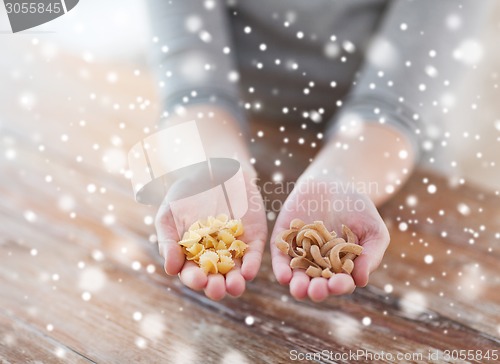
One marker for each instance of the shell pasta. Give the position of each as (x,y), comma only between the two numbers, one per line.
(213,243)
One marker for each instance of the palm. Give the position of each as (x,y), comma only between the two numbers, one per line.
(169,231)
(334,204)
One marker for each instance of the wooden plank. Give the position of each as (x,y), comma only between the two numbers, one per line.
(307,319)
(335,324)
(20,342)
(306,326)
(106,327)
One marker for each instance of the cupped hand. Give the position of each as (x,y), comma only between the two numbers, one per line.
(334,202)
(217,285)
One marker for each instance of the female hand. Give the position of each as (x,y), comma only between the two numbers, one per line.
(255,234)
(335,202)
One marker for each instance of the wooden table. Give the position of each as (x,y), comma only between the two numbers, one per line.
(81,280)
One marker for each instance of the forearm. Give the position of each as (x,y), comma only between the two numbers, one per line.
(377,161)
(188,58)
(220,132)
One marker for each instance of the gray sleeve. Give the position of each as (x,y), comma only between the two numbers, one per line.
(414,63)
(193,55)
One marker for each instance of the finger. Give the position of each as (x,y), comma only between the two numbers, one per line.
(299,284)
(256,235)
(252,259)
(173,255)
(281,266)
(341,283)
(216,288)
(193,276)
(167,241)
(361,271)
(318,289)
(235,283)
(370,258)
(280,261)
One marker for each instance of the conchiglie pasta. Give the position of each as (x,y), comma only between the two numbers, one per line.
(212,243)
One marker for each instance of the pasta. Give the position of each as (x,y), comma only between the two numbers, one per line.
(213,243)
(319,251)
(238,247)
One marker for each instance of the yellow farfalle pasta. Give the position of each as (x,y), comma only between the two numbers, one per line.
(213,245)
(225,264)
(320,252)
(221,245)
(195,251)
(208,261)
(224,253)
(226,236)
(236,227)
(238,247)
(210,242)
(190,238)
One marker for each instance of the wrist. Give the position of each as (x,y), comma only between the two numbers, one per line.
(219,130)
(379,159)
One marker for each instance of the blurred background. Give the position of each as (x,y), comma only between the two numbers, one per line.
(97,65)
(77,93)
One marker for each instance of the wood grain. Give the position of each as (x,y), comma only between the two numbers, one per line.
(85,238)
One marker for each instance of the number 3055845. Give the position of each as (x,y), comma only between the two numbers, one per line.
(33,8)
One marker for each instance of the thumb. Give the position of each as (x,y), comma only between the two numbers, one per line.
(167,241)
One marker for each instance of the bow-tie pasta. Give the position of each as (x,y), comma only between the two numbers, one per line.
(320,252)
(213,243)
